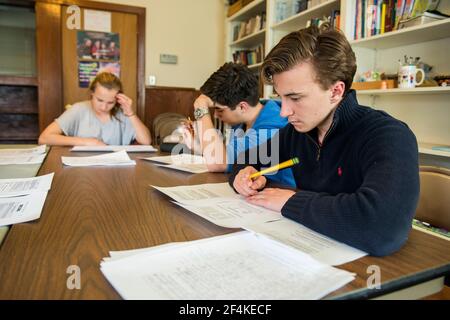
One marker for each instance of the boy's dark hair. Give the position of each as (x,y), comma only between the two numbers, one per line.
(231,84)
(326,48)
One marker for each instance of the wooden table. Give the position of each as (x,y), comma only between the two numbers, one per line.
(90,211)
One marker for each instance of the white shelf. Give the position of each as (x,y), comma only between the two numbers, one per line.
(426,148)
(397,91)
(297,20)
(251,40)
(417,34)
(250,10)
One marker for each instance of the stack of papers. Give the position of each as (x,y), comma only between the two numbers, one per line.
(34,155)
(219,204)
(236,266)
(183,162)
(22,200)
(130,148)
(119,158)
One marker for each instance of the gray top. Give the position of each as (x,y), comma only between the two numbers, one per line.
(80,121)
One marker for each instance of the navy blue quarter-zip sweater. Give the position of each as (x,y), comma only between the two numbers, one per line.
(361,186)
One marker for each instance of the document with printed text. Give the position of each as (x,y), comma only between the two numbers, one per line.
(21,209)
(109,148)
(24,186)
(119,158)
(238,266)
(22,159)
(23,151)
(318,246)
(221,205)
(182,162)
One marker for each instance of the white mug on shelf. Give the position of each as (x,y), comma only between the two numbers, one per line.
(407,76)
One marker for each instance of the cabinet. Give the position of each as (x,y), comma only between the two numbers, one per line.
(426,110)
(18,81)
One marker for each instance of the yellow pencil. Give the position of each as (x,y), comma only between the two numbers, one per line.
(277,167)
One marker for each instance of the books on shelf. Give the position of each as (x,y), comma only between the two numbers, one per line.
(250,26)
(374,17)
(249,57)
(423,18)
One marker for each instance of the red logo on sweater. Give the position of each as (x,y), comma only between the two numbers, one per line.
(339,171)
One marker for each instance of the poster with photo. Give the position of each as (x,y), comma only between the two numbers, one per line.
(98,46)
(87,70)
(113,67)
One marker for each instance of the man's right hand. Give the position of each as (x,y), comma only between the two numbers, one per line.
(246,186)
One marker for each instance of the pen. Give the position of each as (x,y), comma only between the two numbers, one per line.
(277,167)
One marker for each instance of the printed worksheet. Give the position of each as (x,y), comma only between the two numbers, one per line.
(119,158)
(23,151)
(23,186)
(239,266)
(21,159)
(183,162)
(21,209)
(318,246)
(109,148)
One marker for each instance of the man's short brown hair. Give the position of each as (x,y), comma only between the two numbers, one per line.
(326,48)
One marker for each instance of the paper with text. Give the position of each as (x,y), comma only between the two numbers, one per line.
(21,159)
(187,194)
(109,148)
(24,186)
(182,162)
(119,158)
(23,151)
(318,246)
(21,209)
(239,267)
(231,213)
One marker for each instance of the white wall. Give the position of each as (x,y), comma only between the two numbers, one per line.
(193,30)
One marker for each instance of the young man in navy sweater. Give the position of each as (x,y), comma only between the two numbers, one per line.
(358,177)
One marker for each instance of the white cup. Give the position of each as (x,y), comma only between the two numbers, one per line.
(407,76)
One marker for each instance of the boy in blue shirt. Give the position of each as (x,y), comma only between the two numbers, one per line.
(233,93)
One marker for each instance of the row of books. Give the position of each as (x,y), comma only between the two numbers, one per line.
(249,57)
(249,27)
(373,17)
(334,19)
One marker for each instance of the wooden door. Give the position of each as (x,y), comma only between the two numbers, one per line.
(126,26)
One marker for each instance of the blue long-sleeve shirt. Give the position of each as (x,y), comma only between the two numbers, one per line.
(361,186)
(266,125)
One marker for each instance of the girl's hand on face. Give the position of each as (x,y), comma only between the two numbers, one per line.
(125,104)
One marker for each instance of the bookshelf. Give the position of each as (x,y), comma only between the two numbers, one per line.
(426,110)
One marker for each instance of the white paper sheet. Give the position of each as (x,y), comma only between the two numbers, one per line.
(239,266)
(318,246)
(182,162)
(24,186)
(187,194)
(231,213)
(119,158)
(130,148)
(96,20)
(219,204)
(21,159)
(23,151)
(21,209)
